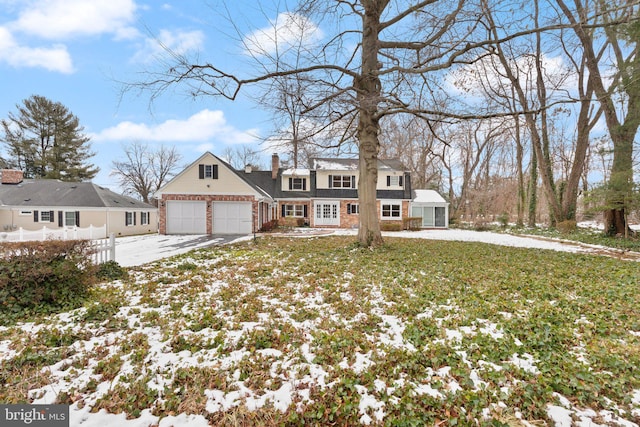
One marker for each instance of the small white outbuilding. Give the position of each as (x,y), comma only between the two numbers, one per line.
(431,207)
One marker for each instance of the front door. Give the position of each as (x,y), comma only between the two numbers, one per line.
(327,213)
(441,220)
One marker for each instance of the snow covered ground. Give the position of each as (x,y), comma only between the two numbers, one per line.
(145,248)
(139,250)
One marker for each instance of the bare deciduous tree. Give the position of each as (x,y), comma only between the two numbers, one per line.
(145,170)
(241,156)
(620,100)
(395,46)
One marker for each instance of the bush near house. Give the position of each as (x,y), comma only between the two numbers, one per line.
(412,223)
(44,275)
(391,226)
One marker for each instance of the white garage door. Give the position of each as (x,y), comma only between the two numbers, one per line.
(186,217)
(232,218)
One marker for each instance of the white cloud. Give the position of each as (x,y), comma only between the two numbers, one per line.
(286,31)
(202,127)
(179,42)
(54,58)
(60,19)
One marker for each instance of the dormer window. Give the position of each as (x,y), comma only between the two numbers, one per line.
(298,184)
(394,181)
(342,181)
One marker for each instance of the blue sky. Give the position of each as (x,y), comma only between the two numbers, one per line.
(77,51)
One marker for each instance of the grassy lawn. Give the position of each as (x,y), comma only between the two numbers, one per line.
(319,331)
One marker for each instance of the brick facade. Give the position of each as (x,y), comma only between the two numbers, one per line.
(348,220)
(209,198)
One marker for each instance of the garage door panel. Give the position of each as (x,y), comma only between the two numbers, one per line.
(232,218)
(186,217)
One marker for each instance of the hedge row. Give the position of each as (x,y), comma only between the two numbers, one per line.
(44,275)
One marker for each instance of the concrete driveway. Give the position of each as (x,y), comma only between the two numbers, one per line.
(138,250)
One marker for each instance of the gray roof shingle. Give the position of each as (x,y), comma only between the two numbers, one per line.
(54,193)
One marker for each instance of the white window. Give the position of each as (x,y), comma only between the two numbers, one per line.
(294,210)
(144,218)
(208,171)
(130,219)
(45,216)
(391,210)
(342,181)
(394,181)
(69,219)
(353,208)
(298,184)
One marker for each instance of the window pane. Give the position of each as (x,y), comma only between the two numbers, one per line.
(69,218)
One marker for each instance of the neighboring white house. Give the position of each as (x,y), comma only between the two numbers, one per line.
(431,207)
(34,204)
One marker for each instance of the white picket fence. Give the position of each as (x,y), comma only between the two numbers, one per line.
(103,248)
(66,233)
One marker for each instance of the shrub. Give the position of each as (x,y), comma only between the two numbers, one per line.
(268,226)
(567,227)
(391,226)
(481,225)
(111,270)
(412,223)
(503,219)
(48,274)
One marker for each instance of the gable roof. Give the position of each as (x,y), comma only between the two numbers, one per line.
(427,196)
(54,193)
(333,164)
(240,174)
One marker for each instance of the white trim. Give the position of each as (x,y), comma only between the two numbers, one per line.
(390,203)
(326,212)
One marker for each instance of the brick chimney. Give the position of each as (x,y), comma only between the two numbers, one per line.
(275,165)
(11,176)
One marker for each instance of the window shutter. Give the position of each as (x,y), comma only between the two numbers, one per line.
(400,180)
(388,180)
(77,218)
(330,181)
(35,216)
(133,214)
(60,219)
(215,171)
(284,211)
(290,183)
(353,181)
(304,185)
(306,211)
(201,171)
(348,208)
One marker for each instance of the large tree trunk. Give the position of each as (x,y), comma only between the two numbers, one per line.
(533,190)
(521,190)
(620,181)
(570,194)
(368,90)
(622,132)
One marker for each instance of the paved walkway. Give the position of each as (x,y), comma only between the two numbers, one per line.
(138,250)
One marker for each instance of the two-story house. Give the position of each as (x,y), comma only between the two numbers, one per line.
(209,196)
